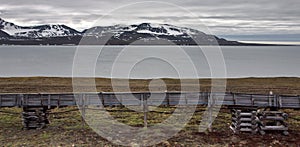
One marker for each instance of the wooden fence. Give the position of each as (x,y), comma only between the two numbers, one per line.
(51,100)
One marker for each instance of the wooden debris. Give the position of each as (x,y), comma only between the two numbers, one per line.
(253,120)
(35,118)
(244,121)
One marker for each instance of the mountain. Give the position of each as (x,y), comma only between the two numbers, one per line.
(139,34)
(149,33)
(4,34)
(36,31)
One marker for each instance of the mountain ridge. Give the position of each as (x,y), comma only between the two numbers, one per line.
(139,34)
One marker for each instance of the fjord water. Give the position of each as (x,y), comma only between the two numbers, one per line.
(57,61)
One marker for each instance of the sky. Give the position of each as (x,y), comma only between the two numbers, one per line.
(230,17)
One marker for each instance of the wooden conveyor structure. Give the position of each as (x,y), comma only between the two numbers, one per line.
(245,106)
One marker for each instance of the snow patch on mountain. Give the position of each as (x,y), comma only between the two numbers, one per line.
(143,28)
(37,31)
(11,28)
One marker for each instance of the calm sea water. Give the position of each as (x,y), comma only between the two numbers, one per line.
(149,61)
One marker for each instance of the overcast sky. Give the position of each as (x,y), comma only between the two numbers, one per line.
(220,16)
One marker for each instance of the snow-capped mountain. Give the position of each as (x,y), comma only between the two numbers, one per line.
(149,32)
(144,33)
(37,31)
(144,28)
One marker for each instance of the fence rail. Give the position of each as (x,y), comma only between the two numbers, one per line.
(153,99)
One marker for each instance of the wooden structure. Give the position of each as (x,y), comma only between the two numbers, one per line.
(244,120)
(273,121)
(36,105)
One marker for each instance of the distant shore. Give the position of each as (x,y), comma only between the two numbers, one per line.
(280,85)
(238,43)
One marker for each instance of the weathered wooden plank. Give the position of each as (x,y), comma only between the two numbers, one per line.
(155,99)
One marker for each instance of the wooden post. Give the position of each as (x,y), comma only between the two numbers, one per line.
(102,99)
(280,101)
(168,99)
(121,101)
(25,100)
(298,99)
(16,100)
(185,98)
(210,103)
(22,100)
(0,100)
(82,109)
(110,101)
(145,109)
(200,98)
(270,101)
(49,101)
(274,101)
(234,99)
(252,100)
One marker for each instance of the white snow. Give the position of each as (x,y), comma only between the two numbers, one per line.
(150,32)
(166,27)
(14,31)
(54,31)
(11,28)
(173,32)
(155,25)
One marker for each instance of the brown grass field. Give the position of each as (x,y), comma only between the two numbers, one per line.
(67,129)
(289,86)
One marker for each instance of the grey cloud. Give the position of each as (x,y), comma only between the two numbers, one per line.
(234,16)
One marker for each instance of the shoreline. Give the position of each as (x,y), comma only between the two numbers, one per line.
(254,44)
